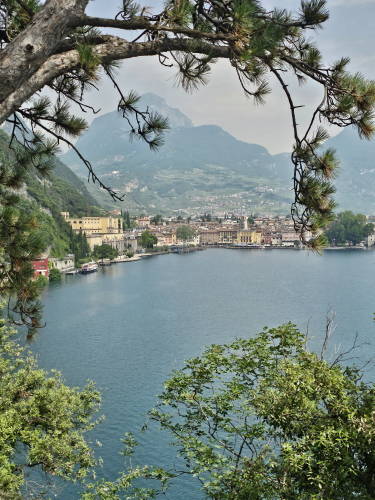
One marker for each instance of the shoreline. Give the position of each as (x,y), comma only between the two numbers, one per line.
(139,256)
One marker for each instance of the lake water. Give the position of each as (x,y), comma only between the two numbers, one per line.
(128,326)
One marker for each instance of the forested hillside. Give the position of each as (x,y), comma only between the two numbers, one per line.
(45,198)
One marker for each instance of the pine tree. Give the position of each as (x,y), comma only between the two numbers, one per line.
(21,237)
(65,52)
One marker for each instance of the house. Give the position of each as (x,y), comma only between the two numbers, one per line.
(40,267)
(143,221)
(115,240)
(64,265)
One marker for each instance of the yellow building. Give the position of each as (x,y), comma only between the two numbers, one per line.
(165,239)
(247,237)
(94,225)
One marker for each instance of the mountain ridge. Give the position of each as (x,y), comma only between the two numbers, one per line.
(204,167)
(198,167)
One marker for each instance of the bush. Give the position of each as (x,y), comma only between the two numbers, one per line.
(41,280)
(54,275)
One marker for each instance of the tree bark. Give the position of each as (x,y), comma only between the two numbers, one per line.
(24,55)
(24,76)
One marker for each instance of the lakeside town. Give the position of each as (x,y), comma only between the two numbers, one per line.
(131,239)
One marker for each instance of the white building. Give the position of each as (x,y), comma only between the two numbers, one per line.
(63,265)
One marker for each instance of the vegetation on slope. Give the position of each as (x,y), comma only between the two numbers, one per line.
(45,198)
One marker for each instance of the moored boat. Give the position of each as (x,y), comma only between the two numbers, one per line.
(89,267)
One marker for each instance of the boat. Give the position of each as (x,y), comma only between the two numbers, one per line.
(105,262)
(89,267)
(72,271)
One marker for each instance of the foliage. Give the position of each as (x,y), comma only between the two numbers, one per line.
(191,35)
(22,239)
(260,418)
(129,254)
(127,223)
(79,245)
(148,240)
(105,251)
(41,282)
(59,192)
(156,220)
(54,274)
(185,233)
(264,418)
(26,230)
(349,228)
(42,421)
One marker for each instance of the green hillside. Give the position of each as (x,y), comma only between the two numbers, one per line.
(61,191)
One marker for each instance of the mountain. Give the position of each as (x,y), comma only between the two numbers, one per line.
(197,168)
(355,182)
(204,168)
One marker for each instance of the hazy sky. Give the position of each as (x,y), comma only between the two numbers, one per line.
(349,32)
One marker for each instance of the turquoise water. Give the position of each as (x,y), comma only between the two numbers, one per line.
(128,326)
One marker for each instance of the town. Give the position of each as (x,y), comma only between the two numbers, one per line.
(117,237)
(133,237)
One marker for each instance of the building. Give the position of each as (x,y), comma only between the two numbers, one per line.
(116,212)
(131,242)
(290,236)
(209,237)
(99,231)
(94,225)
(166,238)
(249,237)
(244,222)
(143,221)
(63,265)
(228,236)
(115,240)
(370,240)
(40,267)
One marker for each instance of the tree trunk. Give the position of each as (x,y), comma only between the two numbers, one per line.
(24,55)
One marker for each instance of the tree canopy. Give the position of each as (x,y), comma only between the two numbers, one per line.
(349,228)
(105,251)
(184,233)
(55,45)
(42,421)
(157,219)
(148,240)
(264,418)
